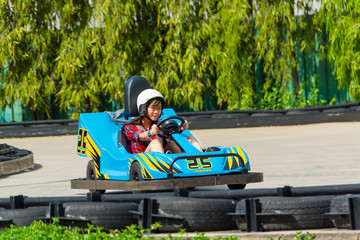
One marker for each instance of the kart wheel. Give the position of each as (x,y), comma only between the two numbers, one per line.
(236,186)
(135,172)
(91,175)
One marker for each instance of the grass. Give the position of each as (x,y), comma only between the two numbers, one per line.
(39,230)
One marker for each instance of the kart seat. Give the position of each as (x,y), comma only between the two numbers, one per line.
(134,85)
(123,140)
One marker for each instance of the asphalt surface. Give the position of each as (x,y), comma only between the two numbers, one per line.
(303,155)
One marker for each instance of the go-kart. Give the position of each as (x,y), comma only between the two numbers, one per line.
(101,137)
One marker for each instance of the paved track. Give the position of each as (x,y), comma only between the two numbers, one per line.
(306,155)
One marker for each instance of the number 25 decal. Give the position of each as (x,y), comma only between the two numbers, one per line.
(198,163)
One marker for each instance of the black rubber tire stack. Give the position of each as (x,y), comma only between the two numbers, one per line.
(198,214)
(339,211)
(23,216)
(8,152)
(299,213)
(109,215)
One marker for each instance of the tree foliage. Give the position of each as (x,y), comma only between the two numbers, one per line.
(27,49)
(342,23)
(198,54)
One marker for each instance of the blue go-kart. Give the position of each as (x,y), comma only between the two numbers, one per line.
(101,137)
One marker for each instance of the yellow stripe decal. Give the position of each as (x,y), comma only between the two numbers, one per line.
(156,162)
(241,153)
(230,161)
(143,171)
(165,164)
(148,162)
(236,158)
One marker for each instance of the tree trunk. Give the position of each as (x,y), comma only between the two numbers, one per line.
(33,115)
(295,76)
(87,105)
(294,72)
(252,32)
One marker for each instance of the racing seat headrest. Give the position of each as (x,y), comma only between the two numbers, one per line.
(134,85)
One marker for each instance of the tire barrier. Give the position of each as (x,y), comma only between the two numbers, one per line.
(214,119)
(21,201)
(14,160)
(286,191)
(193,214)
(286,213)
(107,215)
(267,213)
(23,216)
(341,214)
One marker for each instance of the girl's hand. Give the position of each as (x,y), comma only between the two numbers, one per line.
(185,126)
(154,130)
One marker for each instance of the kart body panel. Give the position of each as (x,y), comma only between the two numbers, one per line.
(100,138)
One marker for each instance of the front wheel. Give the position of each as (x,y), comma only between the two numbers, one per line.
(236,186)
(135,172)
(91,175)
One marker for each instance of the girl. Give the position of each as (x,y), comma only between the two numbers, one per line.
(142,131)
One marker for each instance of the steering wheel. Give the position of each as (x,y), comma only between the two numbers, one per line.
(169,126)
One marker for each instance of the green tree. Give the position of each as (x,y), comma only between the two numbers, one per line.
(130,34)
(232,47)
(77,61)
(28,42)
(342,20)
(280,34)
(207,58)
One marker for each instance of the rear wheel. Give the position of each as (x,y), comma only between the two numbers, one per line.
(91,175)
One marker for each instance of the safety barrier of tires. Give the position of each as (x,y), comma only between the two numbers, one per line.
(14,160)
(284,213)
(24,216)
(176,210)
(344,210)
(192,214)
(107,215)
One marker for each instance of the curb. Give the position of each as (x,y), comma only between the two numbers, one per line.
(17,165)
(320,234)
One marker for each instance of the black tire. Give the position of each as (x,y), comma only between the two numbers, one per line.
(339,211)
(91,175)
(135,172)
(304,213)
(236,186)
(4,158)
(109,215)
(23,216)
(198,214)
(14,154)
(6,149)
(21,153)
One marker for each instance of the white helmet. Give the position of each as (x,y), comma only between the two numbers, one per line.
(144,97)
